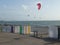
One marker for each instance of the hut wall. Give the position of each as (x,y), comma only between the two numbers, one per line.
(29,29)
(0,28)
(20,29)
(8,28)
(53,32)
(12,29)
(25,29)
(16,29)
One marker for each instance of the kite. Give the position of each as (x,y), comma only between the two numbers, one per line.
(39,6)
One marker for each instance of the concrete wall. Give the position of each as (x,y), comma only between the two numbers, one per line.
(42,29)
(53,31)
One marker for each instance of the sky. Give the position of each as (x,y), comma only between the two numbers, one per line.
(26,10)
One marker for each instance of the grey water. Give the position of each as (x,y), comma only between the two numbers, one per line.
(40,23)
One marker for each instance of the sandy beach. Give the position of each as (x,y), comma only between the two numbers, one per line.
(17,39)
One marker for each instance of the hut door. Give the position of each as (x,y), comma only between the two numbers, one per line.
(58,33)
(12,29)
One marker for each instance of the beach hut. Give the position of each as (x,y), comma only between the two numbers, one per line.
(0,28)
(58,32)
(3,29)
(12,29)
(18,29)
(54,32)
(27,29)
(22,29)
(6,28)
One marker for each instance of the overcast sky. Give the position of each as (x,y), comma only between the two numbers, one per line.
(23,10)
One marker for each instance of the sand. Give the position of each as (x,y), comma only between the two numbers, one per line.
(17,39)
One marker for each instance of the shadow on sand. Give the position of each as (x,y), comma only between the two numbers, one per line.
(48,40)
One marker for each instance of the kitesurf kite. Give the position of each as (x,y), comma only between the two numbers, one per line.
(39,6)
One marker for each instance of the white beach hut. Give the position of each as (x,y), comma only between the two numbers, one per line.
(53,32)
(16,29)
